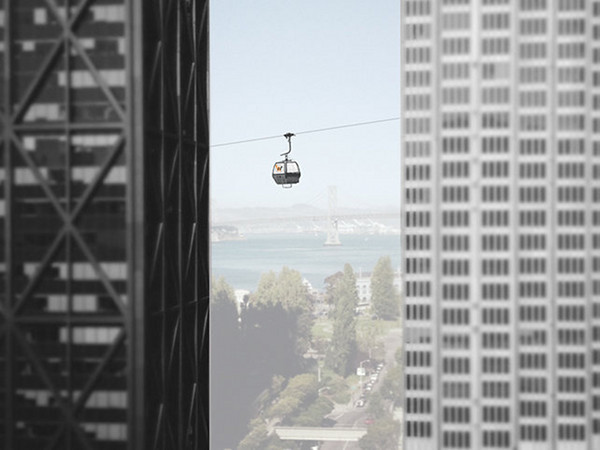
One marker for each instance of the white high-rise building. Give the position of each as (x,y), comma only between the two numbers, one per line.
(501,224)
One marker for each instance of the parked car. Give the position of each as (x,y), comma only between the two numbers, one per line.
(327,422)
(359,403)
(369,420)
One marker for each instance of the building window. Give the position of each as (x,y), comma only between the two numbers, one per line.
(495,365)
(533,5)
(571,26)
(533,432)
(571,432)
(455,242)
(456,439)
(494,218)
(497,316)
(418,429)
(533,26)
(416,31)
(455,96)
(455,71)
(533,385)
(495,144)
(418,7)
(456,389)
(455,169)
(571,5)
(455,120)
(455,46)
(496,21)
(495,95)
(494,291)
(495,389)
(532,122)
(418,312)
(495,71)
(455,316)
(533,50)
(533,409)
(532,147)
(456,414)
(455,145)
(528,75)
(571,74)
(495,46)
(418,405)
(496,439)
(456,21)
(497,414)
(494,242)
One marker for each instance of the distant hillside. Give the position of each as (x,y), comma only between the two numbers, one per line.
(234,215)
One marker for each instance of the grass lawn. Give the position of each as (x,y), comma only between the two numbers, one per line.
(323,328)
(380,327)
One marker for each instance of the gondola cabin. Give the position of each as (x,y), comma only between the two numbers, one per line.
(286,172)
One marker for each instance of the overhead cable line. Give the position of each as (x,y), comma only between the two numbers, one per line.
(317,130)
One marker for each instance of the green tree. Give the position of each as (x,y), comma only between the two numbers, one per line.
(398,356)
(256,438)
(269,344)
(224,315)
(377,406)
(267,396)
(369,339)
(288,290)
(330,283)
(226,368)
(343,341)
(391,386)
(221,292)
(313,415)
(385,300)
(300,391)
(383,434)
(275,326)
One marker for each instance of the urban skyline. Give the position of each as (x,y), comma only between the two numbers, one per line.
(104,214)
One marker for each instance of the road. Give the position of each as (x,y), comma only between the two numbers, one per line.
(350,416)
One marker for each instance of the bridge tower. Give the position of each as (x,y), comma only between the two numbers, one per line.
(333,236)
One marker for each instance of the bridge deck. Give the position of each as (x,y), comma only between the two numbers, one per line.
(320,434)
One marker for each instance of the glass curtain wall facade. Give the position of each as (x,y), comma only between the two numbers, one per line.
(501,223)
(104,219)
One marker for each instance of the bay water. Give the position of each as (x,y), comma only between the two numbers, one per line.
(242,262)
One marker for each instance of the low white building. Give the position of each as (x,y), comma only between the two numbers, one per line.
(363,286)
(240,295)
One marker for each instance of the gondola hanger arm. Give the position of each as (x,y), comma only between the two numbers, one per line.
(288,136)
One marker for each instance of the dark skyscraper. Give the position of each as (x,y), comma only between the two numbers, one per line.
(104,224)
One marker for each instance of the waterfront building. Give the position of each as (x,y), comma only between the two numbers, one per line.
(363,286)
(104,224)
(501,224)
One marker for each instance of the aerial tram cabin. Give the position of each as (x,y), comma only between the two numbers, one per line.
(287,172)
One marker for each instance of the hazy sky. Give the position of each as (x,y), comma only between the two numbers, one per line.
(298,65)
